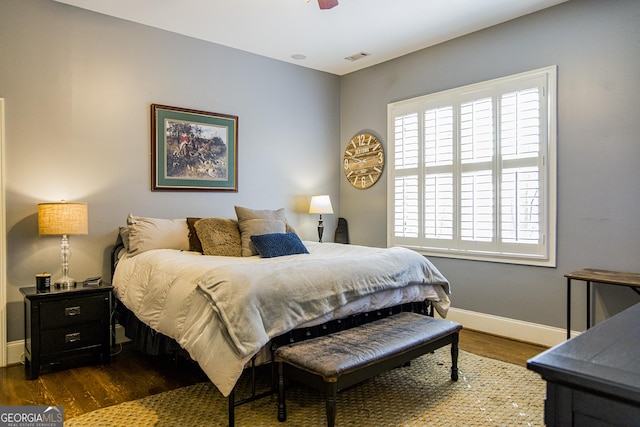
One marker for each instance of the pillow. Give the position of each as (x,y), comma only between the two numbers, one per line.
(155,233)
(247,230)
(124,235)
(278,244)
(219,236)
(194,242)
(246,213)
(252,227)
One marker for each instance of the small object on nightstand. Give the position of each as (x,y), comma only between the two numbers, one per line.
(92,282)
(43,282)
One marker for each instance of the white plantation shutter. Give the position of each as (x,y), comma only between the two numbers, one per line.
(476,131)
(438,206)
(406,202)
(473,172)
(438,137)
(520,220)
(477,206)
(406,138)
(476,201)
(438,161)
(519,120)
(520,147)
(406,207)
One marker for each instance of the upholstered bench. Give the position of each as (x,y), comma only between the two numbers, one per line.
(345,358)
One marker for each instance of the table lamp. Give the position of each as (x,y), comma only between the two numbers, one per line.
(63,219)
(320,205)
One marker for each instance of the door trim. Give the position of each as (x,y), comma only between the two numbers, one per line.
(3,246)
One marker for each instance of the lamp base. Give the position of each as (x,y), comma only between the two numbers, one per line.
(320,229)
(65,283)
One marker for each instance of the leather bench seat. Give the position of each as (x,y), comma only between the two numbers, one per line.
(345,358)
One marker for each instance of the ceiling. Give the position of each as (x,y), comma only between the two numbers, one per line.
(282,29)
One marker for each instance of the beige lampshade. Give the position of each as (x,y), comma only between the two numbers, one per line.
(320,205)
(62,218)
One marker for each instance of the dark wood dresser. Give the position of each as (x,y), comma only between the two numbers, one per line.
(594,378)
(64,327)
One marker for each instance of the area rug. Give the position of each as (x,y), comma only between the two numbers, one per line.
(488,393)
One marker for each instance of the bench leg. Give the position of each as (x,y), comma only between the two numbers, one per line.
(231,402)
(282,408)
(454,357)
(331,391)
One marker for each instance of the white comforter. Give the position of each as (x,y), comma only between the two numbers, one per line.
(197,299)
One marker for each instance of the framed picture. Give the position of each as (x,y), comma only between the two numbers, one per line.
(193,150)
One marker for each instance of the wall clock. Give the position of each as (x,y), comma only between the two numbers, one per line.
(363,160)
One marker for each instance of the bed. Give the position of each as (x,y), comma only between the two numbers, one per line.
(225,290)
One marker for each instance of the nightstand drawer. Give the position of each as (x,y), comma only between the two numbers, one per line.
(72,311)
(72,338)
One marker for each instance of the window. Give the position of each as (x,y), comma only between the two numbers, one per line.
(472,173)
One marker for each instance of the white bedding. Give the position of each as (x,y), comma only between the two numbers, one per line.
(169,290)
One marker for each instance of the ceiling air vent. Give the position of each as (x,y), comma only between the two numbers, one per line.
(357,56)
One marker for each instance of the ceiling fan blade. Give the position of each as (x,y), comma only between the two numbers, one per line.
(327,4)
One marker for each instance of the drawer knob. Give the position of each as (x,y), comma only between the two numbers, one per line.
(72,311)
(72,337)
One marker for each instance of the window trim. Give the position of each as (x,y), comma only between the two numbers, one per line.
(548,166)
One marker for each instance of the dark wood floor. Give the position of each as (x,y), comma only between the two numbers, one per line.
(132,375)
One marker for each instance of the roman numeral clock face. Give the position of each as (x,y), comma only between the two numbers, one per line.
(363,160)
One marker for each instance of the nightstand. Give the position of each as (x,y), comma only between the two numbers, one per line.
(64,327)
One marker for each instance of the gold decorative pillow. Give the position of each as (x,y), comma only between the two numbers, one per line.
(219,236)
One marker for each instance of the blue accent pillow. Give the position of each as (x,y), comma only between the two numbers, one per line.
(278,244)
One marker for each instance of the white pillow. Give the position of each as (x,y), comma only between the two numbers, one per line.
(156,233)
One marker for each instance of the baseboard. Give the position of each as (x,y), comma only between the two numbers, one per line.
(534,333)
(15,352)
(15,349)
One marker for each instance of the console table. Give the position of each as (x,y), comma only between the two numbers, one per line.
(588,275)
(594,378)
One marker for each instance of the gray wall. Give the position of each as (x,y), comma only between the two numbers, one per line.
(78,88)
(596,46)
